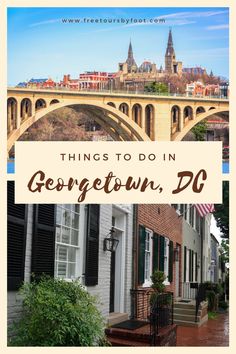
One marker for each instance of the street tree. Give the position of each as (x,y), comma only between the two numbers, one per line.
(221,212)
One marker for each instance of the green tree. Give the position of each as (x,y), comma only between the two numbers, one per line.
(159,87)
(199,130)
(224,251)
(221,212)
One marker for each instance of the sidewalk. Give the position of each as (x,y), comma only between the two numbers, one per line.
(215,333)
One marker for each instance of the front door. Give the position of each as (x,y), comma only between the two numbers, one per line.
(112,281)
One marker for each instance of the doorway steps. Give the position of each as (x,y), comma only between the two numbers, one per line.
(116,317)
(184,314)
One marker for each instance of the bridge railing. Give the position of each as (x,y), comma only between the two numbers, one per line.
(118,92)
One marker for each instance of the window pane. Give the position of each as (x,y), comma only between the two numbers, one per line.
(62,270)
(65,235)
(66,217)
(72,252)
(71,270)
(58,216)
(75,221)
(58,233)
(62,253)
(75,207)
(74,237)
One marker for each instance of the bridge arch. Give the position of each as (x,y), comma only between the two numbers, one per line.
(201,116)
(175,119)
(200,110)
(211,108)
(137,114)
(188,113)
(54,101)
(40,103)
(149,120)
(25,108)
(112,104)
(116,123)
(124,108)
(11,114)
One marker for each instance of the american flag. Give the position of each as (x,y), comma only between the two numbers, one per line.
(204,209)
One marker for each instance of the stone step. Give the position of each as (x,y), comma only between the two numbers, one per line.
(128,334)
(183,305)
(123,342)
(116,317)
(186,324)
(185,311)
(187,318)
(191,323)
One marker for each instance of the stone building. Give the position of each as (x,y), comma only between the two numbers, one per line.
(134,77)
(172,66)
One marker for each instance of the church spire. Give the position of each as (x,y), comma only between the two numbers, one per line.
(130,60)
(170,47)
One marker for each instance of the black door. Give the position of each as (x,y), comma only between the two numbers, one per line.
(112,281)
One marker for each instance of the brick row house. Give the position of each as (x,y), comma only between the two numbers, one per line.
(71,242)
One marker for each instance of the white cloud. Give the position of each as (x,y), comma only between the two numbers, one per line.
(44,22)
(217,27)
(192,14)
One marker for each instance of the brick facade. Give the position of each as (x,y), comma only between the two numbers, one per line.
(163,220)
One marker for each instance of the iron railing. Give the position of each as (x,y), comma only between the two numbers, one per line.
(156,309)
(201,296)
(125,91)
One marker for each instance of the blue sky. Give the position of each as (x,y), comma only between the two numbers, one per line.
(41,45)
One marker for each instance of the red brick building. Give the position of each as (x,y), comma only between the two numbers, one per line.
(158,245)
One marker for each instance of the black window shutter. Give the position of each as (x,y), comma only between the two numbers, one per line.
(43,247)
(192,275)
(162,249)
(190,265)
(155,258)
(171,253)
(185,263)
(196,269)
(92,246)
(141,254)
(16,239)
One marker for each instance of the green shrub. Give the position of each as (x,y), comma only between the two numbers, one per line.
(158,277)
(58,313)
(223,305)
(212,300)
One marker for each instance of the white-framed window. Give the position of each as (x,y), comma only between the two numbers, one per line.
(166,259)
(148,257)
(68,241)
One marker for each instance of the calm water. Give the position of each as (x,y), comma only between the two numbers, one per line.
(225,167)
(11,167)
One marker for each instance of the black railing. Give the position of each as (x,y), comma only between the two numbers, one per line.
(156,309)
(201,296)
(161,313)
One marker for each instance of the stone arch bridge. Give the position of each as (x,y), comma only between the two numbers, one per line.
(125,116)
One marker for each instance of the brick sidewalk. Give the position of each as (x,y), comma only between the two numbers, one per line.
(215,333)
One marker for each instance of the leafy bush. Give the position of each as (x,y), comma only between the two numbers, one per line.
(212,300)
(58,313)
(223,305)
(158,277)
